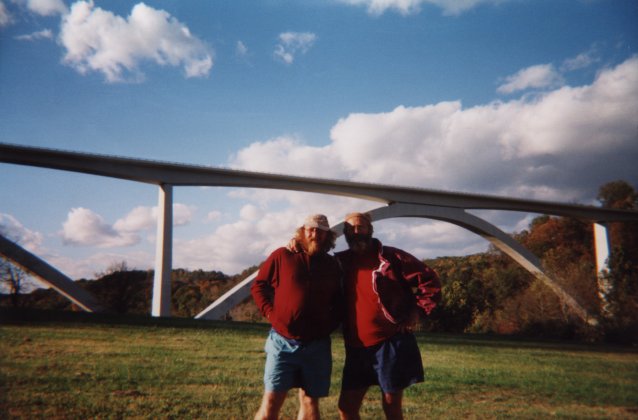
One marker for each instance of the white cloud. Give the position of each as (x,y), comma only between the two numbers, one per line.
(182,214)
(44,7)
(292,43)
(428,238)
(87,268)
(291,156)
(539,76)
(13,230)
(240,49)
(581,61)
(87,228)
(213,216)
(97,40)
(544,147)
(233,247)
(5,17)
(140,218)
(408,7)
(145,218)
(43,34)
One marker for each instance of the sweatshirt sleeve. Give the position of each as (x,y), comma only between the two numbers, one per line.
(263,287)
(426,281)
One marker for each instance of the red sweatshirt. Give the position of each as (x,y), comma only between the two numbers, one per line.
(300,294)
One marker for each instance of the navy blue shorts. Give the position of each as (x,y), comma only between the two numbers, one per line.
(393,364)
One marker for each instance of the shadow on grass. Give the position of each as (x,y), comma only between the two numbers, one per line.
(513,341)
(17,316)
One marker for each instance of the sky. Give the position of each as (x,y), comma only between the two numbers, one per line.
(516,98)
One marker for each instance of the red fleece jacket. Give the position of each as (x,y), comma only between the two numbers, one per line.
(300,294)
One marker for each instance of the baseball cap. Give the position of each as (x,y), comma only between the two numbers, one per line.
(318,221)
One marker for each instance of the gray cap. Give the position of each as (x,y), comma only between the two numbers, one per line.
(318,221)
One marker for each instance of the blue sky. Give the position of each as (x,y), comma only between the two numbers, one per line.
(520,98)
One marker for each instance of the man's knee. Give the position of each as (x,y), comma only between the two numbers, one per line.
(391,402)
(350,403)
(308,406)
(270,405)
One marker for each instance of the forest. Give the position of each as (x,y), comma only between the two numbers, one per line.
(484,293)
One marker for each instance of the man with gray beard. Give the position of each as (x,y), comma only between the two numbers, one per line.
(385,288)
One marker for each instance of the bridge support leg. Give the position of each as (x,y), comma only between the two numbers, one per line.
(163,253)
(49,275)
(601,241)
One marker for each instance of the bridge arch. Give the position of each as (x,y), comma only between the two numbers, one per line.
(456,216)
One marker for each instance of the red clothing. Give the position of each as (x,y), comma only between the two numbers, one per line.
(387,298)
(365,324)
(300,294)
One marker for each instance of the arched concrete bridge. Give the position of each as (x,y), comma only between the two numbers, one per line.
(397,202)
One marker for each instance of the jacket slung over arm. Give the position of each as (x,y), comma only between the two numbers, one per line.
(423,278)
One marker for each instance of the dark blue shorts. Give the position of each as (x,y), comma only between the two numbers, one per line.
(393,364)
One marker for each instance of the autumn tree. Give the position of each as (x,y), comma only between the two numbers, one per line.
(13,278)
(622,275)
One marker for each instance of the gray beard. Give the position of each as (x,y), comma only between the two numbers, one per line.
(359,246)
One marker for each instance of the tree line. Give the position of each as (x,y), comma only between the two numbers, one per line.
(482,293)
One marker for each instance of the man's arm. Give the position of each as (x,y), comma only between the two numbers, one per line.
(262,289)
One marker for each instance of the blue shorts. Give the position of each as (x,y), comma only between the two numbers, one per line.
(393,364)
(291,364)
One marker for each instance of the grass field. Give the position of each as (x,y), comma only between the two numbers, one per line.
(151,369)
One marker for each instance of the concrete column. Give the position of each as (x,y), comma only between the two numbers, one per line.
(601,242)
(163,253)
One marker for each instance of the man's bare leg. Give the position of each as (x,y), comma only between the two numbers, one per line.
(350,402)
(391,403)
(308,407)
(270,405)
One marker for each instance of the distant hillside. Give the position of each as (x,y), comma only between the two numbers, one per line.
(130,292)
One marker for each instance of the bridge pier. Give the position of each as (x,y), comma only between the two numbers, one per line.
(163,253)
(602,247)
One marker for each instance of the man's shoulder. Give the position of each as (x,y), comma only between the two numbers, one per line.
(281,252)
(343,254)
(391,253)
(393,250)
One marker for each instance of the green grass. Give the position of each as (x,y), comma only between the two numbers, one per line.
(111,369)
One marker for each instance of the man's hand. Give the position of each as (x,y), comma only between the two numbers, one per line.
(409,324)
(294,246)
